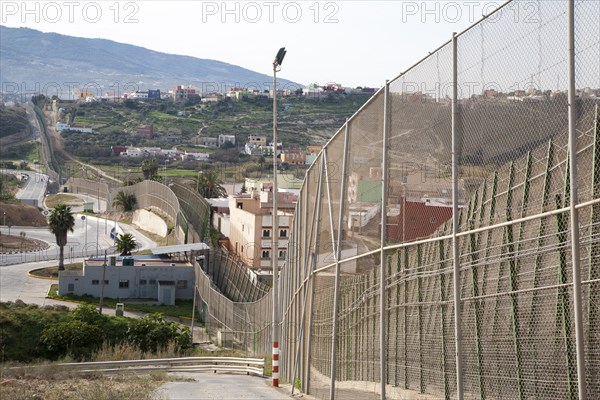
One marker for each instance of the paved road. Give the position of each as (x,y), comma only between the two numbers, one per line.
(90,237)
(15,283)
(207,386)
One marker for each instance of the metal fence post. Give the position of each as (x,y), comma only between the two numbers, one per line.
(455,228)
(383,275)
(574,212)
(338,254)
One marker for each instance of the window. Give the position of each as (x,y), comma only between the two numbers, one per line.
(266,233)
(106,282)
(123,284)
(266,254)
(282,254)
(95,281)
(71,287)
(182,284)
(143,281)
(152,282)
(283,233)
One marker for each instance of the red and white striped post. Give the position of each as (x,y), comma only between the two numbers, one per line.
(275,366)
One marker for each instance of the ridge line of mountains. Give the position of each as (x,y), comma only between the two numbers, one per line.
(32,61)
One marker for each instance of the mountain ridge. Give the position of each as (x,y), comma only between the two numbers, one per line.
(40,59)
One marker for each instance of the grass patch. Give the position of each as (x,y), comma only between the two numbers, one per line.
(55,199)
(182,308)
(52,272)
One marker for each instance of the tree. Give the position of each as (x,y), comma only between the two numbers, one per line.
(149,168)
(60,222)
(152,333)
(125,243)
(125,201)
(209,185)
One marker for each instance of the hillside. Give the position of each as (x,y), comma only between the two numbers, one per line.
(301,121)
(36,59)
(13,121)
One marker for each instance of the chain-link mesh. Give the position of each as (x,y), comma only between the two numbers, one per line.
(514,240)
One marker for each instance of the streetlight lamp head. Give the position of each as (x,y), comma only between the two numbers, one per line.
(279,57)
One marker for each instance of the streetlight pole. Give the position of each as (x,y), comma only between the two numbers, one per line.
(84,219)
(275,243)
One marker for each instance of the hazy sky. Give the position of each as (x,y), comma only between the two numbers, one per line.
(350,42)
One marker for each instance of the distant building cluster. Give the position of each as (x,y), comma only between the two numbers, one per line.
(146,152)
(257,145)
(63,127)
(183,93)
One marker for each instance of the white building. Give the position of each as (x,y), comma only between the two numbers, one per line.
(62,127)
(226,138)
(251,227)
(148,277)
(138,95)
(195,156)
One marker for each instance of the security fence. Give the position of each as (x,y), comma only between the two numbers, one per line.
(99,190)
(446,243)
(197,213)
(156,196)
(231,276)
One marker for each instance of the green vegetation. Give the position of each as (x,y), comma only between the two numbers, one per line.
(21,151)
(302,121)
(9,185)
(125,244)
(149,168)
(21,330)
(13,120)
(31,333)
(209,185)
(125,201)
(60,222)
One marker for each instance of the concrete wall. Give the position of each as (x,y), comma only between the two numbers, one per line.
(150,222)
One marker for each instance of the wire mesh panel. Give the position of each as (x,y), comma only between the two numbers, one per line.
(362,200)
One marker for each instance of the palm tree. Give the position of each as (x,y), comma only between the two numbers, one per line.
(149,168)
(209,185)
(125,243)
(125,201)
(60,222)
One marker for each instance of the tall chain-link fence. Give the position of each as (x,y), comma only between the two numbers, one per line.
(434,196)
(197,213)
